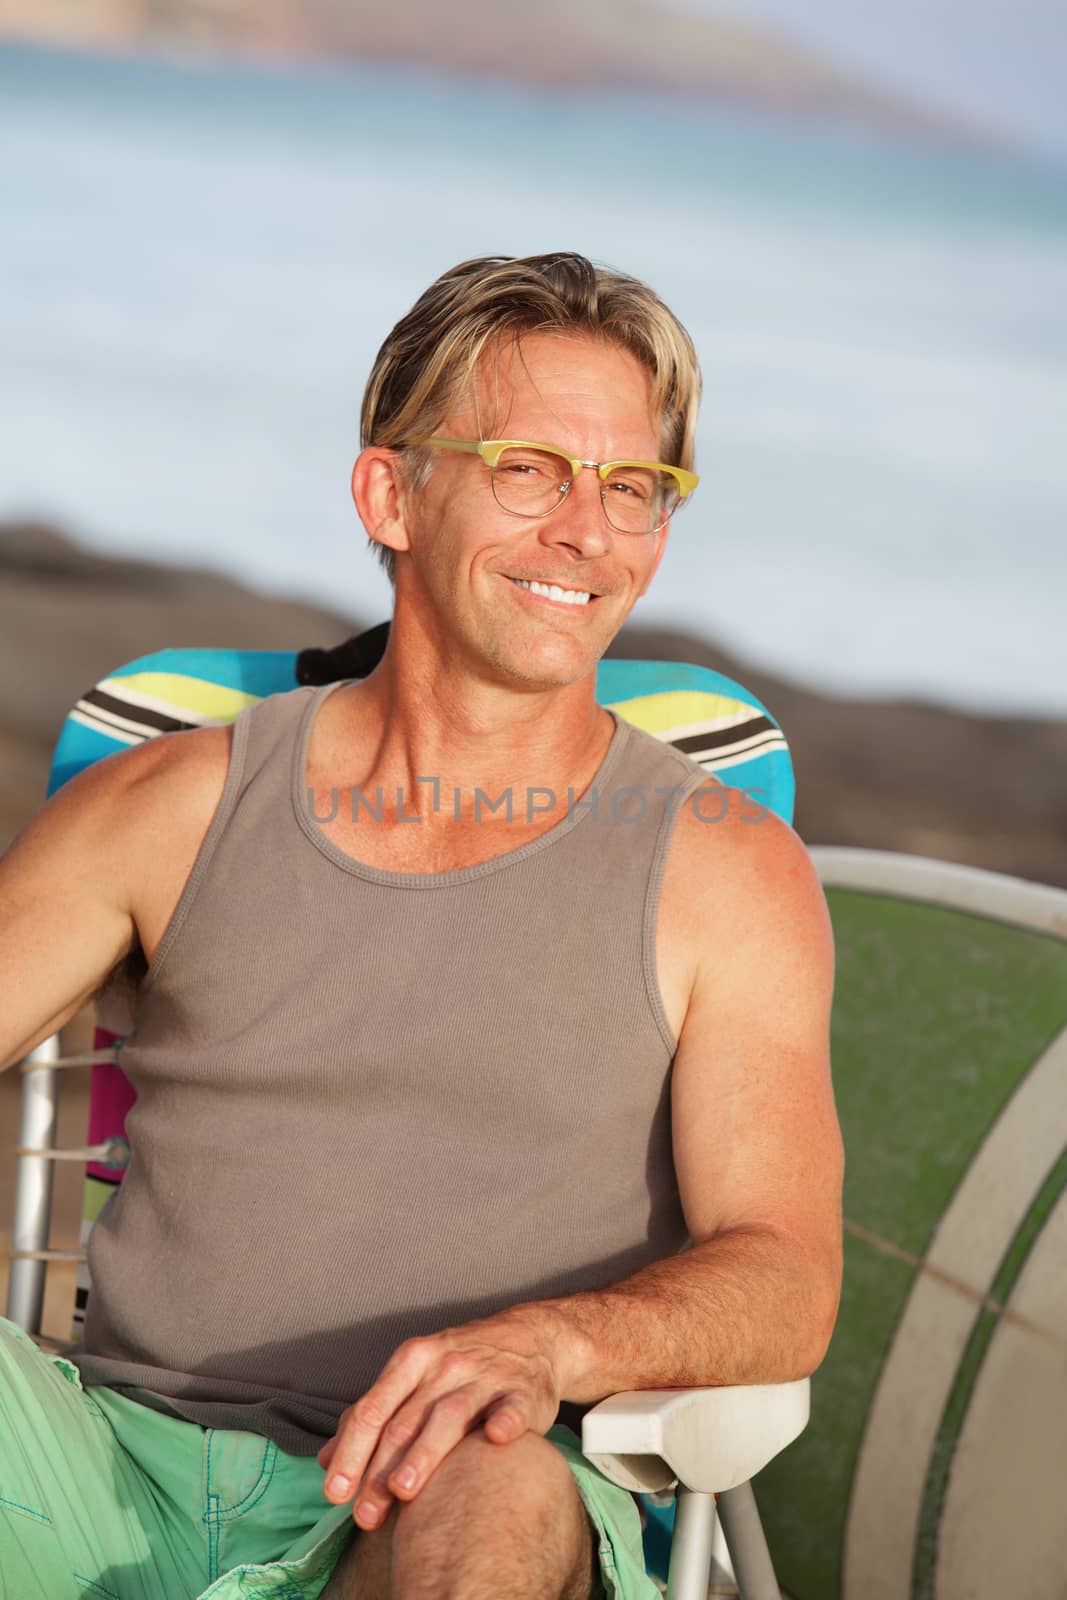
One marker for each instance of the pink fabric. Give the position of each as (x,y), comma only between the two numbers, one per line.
(110,1097)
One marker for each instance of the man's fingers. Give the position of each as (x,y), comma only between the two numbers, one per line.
(505,1420)
(402,1467)
(363,1423)
(429,1395)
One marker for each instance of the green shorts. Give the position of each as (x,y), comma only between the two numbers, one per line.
(102,1498)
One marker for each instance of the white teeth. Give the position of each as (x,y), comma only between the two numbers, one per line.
(552,591)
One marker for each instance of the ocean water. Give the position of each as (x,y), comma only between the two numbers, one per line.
(199,260)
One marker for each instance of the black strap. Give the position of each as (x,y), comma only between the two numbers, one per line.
(355,658)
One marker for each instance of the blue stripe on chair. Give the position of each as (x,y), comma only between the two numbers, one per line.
(259,672)
(622,680)
(76,749)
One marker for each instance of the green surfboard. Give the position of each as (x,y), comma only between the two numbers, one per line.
(933,1465)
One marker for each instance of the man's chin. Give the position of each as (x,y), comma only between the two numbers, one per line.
(547,665)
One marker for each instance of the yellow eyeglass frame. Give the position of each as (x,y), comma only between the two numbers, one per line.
(491,450)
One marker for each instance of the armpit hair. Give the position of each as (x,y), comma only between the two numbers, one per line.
(127,974)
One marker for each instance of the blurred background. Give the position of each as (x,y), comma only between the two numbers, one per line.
(214,210)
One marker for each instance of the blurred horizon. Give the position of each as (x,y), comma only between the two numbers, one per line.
(836,61)
(1003,62)
(201,261)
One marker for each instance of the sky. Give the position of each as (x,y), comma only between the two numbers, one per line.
(1002,61)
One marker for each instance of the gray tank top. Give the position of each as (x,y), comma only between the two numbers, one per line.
(374,1104)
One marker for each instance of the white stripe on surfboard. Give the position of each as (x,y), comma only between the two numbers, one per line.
(1011,1542)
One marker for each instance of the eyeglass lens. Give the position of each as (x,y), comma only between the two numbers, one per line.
(532,483)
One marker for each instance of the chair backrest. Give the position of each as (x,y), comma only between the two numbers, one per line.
(715,721)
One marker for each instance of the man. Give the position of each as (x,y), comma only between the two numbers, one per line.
(445,1052)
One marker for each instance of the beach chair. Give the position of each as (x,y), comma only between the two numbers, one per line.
(707,1442)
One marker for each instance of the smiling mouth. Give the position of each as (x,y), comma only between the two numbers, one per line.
(555,591)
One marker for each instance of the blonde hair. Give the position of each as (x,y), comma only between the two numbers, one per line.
(431,355)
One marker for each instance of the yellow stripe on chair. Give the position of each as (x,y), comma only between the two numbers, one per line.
(179,696)
(675,713)
(95,1196)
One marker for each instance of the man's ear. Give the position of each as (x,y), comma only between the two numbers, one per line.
(379,493)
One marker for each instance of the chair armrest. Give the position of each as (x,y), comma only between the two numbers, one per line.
(709,1440)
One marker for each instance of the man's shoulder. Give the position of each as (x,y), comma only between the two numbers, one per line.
(191,758)
(172,777)
(730,854)
(109,834)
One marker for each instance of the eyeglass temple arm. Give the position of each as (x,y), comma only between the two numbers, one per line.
(470,447)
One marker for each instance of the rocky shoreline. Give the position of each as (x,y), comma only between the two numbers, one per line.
(894,775)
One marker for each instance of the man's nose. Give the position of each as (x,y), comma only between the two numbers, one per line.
(580,521)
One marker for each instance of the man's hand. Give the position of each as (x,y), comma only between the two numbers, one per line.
(500,1372)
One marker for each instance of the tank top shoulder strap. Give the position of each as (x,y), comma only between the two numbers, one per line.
(257,733)
(271,734)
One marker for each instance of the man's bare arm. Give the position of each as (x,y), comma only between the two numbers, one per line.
(759,1161)
(757,1147)
(92,871)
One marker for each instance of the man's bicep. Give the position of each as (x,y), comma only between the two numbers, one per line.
(65,918)
(756,1136)
(98,872)
(63,924)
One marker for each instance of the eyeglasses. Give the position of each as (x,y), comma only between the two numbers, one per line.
(533,480)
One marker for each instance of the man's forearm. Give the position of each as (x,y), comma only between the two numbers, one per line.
(749,1306)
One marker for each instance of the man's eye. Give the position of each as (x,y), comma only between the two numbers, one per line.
(626,489)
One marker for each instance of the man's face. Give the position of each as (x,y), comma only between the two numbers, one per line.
(592,400)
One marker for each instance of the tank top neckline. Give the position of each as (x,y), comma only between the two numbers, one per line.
(429,880)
